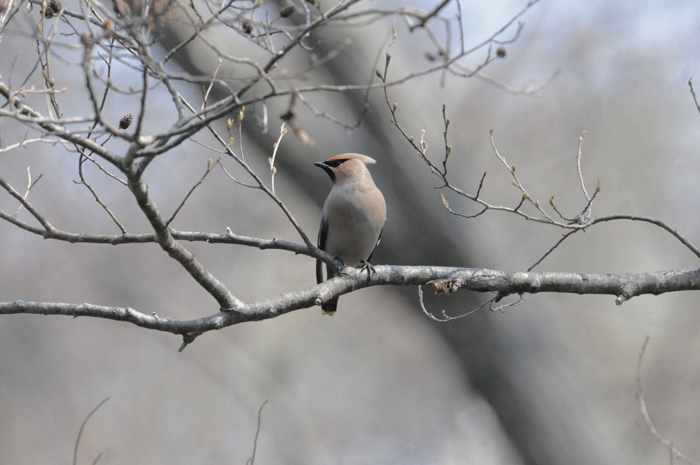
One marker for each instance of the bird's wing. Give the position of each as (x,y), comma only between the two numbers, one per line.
(379,239)
(323,230)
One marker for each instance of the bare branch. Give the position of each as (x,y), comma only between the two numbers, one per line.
(624,286)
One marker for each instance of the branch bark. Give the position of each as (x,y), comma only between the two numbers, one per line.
(504,283)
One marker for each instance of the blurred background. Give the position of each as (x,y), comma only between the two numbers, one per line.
(551,381)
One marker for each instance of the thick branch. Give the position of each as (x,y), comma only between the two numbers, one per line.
(623,286)
(183,256)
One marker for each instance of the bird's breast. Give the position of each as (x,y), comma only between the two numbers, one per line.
(355,216)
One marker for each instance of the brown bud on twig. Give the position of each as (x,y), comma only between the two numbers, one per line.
(551,201)
(287,11)
(501,52)
(125,122)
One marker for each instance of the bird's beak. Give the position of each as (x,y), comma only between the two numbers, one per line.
(326,168)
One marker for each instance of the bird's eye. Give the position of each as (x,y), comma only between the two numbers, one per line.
(336,163)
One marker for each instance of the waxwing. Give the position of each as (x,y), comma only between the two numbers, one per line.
(353,216)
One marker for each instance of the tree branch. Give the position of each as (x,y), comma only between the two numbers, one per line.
(623,286)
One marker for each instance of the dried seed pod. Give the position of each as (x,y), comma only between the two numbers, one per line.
(125,122)
(247,26)
(287,11)
(121,8)
(85,40)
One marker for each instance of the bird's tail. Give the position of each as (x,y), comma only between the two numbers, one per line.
(329,307)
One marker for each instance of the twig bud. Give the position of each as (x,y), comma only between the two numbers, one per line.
(551,201)
(448,150)
(396,105)
(379,74)
(512,169)
(241,114)
(444,201)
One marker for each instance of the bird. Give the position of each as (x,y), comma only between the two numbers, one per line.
(353,216)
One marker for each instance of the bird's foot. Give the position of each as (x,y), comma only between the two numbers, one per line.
(340,264)
(365,265)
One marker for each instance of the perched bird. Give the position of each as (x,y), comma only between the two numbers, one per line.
(353,216)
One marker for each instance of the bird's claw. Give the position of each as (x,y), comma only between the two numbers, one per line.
(341,266)
(365,265)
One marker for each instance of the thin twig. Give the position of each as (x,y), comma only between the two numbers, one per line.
(645,413)
(251,460)
(30,184)
(82,181)
(446,317)
(210,165)
(80,432)
(273,170)
(564,237)
(692,91)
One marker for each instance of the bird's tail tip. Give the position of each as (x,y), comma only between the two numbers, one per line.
(329,308)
